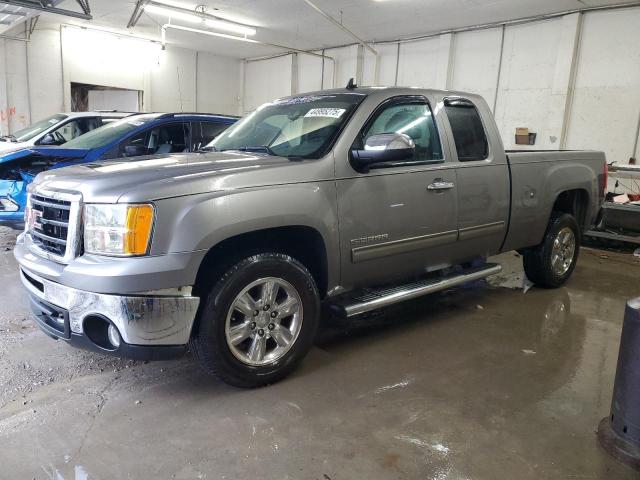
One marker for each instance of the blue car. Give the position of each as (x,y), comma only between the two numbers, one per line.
(133,136)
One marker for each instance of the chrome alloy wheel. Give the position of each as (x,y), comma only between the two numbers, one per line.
(564,247)
(264,321)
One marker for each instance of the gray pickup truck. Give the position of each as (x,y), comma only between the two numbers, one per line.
(333,202)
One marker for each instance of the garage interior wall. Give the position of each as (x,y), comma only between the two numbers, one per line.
(36,76)
(574,80)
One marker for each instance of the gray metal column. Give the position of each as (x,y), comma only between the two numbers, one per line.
(619,433)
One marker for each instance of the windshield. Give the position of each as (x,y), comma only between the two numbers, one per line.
(38,127)
(110,132)
(302,127)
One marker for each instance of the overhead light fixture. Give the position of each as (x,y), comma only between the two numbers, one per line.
(171,13)
(202,18)
(230,27)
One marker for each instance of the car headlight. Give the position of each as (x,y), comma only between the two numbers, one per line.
(120,229)
(8,205)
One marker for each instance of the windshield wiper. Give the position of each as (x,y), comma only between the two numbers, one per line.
(257,149)
(207,148)
(8,138)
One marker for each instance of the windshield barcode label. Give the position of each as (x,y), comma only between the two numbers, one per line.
(325,112)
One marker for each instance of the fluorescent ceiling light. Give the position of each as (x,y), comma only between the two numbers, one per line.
(169,12)
(174,3)
(216,23)
(230,27)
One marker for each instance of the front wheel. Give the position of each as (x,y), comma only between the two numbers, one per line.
(258,321)
(551,263)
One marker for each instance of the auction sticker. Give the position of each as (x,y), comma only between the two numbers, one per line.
(325,112)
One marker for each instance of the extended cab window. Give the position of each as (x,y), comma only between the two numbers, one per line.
(468,131)
(412,117)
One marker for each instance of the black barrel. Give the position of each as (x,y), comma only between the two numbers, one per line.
(619,433)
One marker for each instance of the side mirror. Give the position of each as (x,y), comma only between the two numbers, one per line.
(382,148)
(135,150)
(48,139)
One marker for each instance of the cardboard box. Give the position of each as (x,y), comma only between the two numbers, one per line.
(525,137)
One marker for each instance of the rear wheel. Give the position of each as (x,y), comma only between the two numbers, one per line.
(258,321)
(551,263)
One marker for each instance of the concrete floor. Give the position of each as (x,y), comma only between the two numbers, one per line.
(484,382)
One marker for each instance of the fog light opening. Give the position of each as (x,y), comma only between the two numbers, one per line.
(114,336)
(102,332)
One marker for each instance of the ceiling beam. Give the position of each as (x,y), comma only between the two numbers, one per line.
(341,26)
(15,14)
(33,5)
(84,4)
(138,9)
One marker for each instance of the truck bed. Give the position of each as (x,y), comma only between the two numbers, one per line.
(538,178)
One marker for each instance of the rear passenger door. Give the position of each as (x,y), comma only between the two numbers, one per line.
(483,177)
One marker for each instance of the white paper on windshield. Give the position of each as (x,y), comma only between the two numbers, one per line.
(325,112)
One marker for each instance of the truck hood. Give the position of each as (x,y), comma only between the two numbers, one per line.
(163,176)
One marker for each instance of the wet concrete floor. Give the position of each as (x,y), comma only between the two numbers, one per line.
(482,382)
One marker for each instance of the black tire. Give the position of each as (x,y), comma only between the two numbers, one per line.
(537,261)
(209,343)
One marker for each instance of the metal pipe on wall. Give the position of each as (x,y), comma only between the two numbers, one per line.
(573,73)
(495,97)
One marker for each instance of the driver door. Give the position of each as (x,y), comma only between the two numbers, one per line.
(394,222)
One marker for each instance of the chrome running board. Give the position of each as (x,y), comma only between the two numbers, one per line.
(372,299)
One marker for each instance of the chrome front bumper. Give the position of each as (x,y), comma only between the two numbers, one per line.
(156,318)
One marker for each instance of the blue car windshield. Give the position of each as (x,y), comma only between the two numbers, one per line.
(109,133)
(35,128)
(300,127)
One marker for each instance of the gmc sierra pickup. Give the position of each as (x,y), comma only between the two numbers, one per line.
(351,199)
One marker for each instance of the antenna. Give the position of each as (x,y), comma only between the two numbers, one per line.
(352,84)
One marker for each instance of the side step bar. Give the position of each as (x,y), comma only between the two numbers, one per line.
(614,236)
(371,299)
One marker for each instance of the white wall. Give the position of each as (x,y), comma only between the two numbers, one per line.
(535,75)
(530,81)
(266,80)
(15,111)
(37,79)
(476,63)
(218,84)
(173,82)
(606,102)
(124,100)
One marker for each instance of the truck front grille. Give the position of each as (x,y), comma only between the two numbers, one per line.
(52,223)
(50,230)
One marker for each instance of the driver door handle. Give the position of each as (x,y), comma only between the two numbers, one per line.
(440,185)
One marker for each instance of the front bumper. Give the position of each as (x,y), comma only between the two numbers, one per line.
(152,325)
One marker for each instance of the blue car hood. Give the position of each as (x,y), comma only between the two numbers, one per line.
(57,152)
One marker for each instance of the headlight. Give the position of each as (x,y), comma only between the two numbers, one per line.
(8,205)
(119,230)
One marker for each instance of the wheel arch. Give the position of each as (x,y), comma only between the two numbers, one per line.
(574,202)
(304,243)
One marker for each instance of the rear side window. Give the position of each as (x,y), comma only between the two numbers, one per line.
(204,132)
(468,131)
